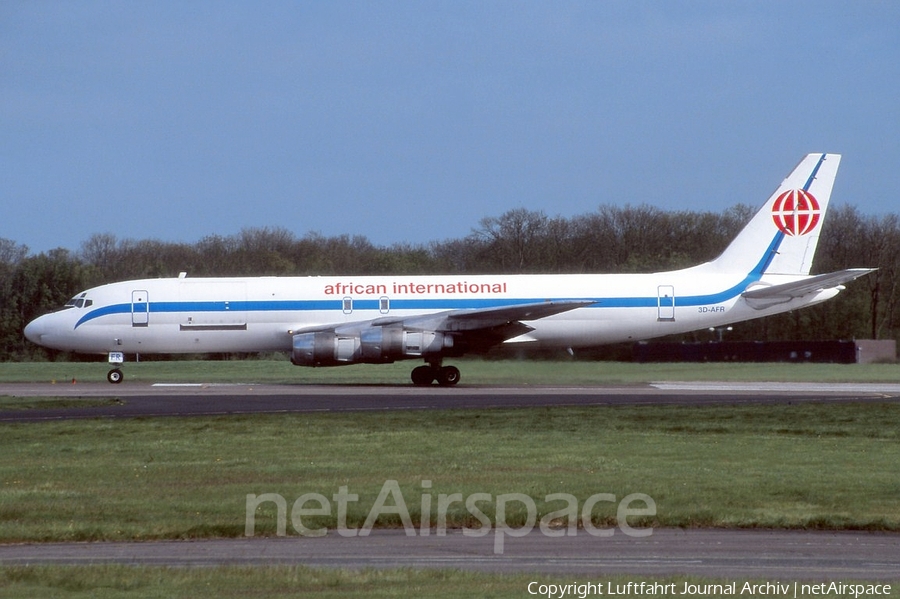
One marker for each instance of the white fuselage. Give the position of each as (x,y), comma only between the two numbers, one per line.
(259,314)
(330,321)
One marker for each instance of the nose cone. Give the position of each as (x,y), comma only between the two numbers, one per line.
(35,330)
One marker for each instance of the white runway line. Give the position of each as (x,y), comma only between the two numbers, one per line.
(889,388)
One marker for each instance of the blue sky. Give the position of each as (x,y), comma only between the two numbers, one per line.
(410,121)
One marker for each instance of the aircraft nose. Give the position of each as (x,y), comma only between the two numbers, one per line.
(35,330)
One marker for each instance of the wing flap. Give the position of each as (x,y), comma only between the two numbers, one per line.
(482,328)
(461,319)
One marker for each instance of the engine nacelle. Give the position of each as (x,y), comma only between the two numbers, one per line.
(370,344)
(316,349)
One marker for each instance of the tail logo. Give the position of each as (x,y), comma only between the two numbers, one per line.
(796,212)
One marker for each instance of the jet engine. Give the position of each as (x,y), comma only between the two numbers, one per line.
(371,344)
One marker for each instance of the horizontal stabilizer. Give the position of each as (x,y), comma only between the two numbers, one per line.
(814,284)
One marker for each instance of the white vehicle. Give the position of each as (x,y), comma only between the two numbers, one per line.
(331,321)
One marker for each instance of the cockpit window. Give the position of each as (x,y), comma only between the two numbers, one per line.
(78,301)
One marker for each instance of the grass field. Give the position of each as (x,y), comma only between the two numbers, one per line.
(138,582)
(810,465)
(803,466)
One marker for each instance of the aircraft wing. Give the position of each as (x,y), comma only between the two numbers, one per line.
(479,318)
(481,328)
(813,284)
(476,328)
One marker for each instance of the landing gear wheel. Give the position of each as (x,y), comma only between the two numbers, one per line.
(447,376)
(423,375)
(115,376)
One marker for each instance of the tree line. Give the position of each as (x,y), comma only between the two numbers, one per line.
(609,240)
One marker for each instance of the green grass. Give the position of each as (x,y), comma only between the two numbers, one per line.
(803,466)
(789,466)
(138,582)
(236,581)
(475,372)
(8,402)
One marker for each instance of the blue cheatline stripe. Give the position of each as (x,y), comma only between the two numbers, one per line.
(812,176)
(336,305)
(105,311)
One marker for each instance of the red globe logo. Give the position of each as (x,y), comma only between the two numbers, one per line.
(796,212)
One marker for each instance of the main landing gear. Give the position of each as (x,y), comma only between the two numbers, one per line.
(445,376)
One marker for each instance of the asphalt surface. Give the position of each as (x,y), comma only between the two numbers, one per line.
(144,400)
(771,555)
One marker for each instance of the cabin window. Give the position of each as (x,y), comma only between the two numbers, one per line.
(384,305)
(348,305)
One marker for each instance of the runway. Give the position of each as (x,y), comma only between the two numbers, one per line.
(765,555)
(145,400)
(770,554)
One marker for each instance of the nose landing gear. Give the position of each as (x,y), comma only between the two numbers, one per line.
(116,359)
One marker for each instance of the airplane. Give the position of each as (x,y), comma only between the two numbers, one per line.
(335,320)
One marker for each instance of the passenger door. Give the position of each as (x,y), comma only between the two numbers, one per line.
(140,308)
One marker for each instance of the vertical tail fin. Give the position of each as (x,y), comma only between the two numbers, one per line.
(782,237)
